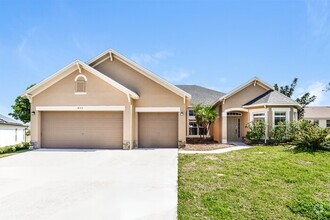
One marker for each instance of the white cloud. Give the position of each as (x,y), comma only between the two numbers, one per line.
(144,58)
(176,76)
(315,88)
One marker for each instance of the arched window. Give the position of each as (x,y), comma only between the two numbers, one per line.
(80,84)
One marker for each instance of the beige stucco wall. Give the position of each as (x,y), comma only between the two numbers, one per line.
(99,93)
(151,93)
(237,101)
(243,96)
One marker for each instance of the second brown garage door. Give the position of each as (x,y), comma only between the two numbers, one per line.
(158,130)
(82,129)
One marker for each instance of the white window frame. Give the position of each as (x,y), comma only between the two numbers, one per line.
(287,114)
(327,123)
(76,79)
(259,111)
(198,129)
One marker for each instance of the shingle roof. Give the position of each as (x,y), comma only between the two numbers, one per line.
(201,95)
(272,97)
(317,112)
(4,120)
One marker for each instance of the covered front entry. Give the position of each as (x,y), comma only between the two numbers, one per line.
(80,129)
(233,124)
(234,128)
(158,129)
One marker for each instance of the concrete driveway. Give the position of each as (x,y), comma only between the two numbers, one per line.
(89,184)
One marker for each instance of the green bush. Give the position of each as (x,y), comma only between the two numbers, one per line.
(326,143)
(310,135)
(14,148)
(256,131)
(284,132)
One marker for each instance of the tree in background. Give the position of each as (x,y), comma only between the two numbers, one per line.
(304,100)
(21,109)
(205,116)
(327,88)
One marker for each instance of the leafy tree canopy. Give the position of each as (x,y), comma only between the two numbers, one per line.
(304,100)
(21,109)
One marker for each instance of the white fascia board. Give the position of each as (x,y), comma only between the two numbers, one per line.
(157,109)
(90,70)
(141,70)
(80,108)
(48,79)
(269,105)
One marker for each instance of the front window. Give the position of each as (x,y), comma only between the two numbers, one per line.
(328,123)
(194,129)
(191,112)
(259,117)
(316,122)
(279,117)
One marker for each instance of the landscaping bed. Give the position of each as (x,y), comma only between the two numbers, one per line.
(197,144)
(13,149)
(256,183)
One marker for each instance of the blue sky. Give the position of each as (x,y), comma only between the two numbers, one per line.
(217,44)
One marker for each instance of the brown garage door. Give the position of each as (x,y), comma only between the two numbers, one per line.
(158,130)
(82,129)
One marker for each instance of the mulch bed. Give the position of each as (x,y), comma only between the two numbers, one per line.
(197,144)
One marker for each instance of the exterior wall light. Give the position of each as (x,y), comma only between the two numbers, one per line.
(33,113)
(181,113)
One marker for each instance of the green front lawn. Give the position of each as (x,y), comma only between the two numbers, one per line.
(257,183)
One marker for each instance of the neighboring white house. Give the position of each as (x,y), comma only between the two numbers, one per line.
(319,115)
(11,131)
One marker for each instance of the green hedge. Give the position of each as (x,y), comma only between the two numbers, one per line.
(14,148)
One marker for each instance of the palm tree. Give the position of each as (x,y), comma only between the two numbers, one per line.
(205,116)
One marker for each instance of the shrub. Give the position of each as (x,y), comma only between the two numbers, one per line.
(326,143)
(284,132)
(14,148)
(310,135)
(256,131)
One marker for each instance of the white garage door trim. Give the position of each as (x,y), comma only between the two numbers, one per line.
(80,108)
(157,109)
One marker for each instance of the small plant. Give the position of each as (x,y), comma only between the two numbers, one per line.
(256,131)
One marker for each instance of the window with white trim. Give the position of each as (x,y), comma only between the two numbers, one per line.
(194,129)
(191,112)
(328,124)
(258,116)
(80,87)
(316,122)
(279,117)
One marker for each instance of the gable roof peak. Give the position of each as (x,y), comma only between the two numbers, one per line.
(111,54)
(256,80)
(79,65)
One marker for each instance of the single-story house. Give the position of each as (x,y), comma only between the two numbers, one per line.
(11,131)
(319,115)
(112,102)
